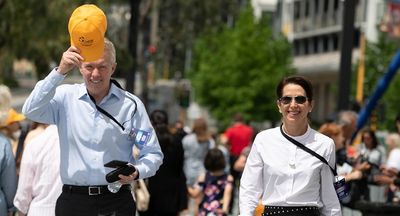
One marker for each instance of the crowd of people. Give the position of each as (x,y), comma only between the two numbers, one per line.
(201,171)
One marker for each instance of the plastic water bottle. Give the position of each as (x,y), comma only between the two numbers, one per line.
(114,187)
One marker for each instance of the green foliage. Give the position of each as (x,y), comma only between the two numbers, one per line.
(237,70)
(181,22)
(37,31)
(377,59)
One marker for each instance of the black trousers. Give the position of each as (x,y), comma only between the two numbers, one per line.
(118,204)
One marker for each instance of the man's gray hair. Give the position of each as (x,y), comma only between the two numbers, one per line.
(109,47)
(346,117)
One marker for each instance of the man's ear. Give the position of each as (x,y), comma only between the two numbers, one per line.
(113,67)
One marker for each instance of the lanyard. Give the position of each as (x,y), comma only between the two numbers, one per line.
(108,114)
(298,144)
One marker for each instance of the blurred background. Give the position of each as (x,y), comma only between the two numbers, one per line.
(216,58)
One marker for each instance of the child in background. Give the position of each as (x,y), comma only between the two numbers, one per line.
(215,186)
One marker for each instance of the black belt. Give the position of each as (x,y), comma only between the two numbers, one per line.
(291,210)
(91,190)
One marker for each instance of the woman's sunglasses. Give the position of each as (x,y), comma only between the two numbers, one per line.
(297,99)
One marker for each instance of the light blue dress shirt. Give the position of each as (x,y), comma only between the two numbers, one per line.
(8,177)
(88,138)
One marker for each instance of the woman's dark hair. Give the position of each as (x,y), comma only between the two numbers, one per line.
(371,133)
(298,80)
(214,160)
(159,120)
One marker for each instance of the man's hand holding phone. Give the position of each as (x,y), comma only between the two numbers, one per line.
(124,172)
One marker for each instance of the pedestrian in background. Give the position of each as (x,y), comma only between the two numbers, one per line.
(39,183)
(343,167)
(16,132)
(97,122)
(214,187)
(8,176)
(167,188)
(391,168)
(374,154)
(237,137)
(347,120)
(195,147)
(286,177)
(35,129)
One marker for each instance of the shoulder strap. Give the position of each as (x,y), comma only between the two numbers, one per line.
(298,144)
(106,113)
(21,141)
(115,82)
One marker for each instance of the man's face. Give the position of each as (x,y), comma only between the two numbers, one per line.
(97,74)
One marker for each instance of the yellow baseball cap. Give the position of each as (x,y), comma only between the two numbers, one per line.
(87,26)
(13,116)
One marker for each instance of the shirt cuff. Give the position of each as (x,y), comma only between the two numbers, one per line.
(55,76)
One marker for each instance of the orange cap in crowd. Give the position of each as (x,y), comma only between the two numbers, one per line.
(87,27)
(13,116)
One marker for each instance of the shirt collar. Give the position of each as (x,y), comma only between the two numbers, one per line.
(303,136)
(113,92)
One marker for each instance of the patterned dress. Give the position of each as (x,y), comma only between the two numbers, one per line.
(213,189)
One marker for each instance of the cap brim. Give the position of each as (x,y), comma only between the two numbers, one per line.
(17,118)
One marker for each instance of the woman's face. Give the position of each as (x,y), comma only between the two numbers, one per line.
(294,110)
(367,140)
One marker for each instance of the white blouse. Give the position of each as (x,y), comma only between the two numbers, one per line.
(282,174)
(39,183)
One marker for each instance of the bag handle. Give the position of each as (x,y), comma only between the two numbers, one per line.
(298,144)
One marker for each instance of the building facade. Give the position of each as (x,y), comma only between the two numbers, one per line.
(314,29)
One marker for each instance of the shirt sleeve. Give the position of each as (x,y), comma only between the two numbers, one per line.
(24,194)
(251,187)
(150,156)
(8,177)
(39,105)
(331,205)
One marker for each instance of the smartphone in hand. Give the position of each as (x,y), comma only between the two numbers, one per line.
(122,167)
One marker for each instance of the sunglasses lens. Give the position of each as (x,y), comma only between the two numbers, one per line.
(286,100)
(300,99)
(297,99)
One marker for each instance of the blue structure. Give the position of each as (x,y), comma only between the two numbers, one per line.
(381,87)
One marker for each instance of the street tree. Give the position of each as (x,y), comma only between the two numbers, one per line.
(38,31)
(238,68)
(180,23)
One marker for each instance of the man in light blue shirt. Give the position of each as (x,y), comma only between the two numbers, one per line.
(8,177)
(89,137)
(8,172)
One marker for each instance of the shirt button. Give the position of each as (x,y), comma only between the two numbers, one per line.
(292,164)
